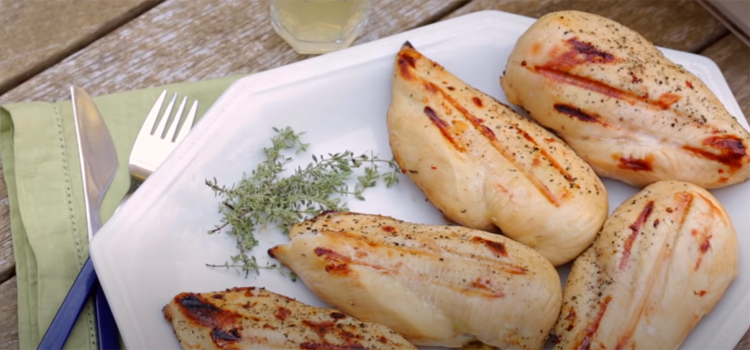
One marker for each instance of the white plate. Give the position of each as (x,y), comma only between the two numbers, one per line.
(156,246)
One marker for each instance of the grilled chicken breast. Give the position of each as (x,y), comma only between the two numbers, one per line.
(486,167)
(622,105)
(435,285)
(662,261)
(255,318)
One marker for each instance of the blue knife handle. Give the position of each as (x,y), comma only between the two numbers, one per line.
(109,337)
(66,316)
(61,326)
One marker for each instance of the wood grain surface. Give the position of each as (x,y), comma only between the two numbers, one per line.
(118,45)
(8,315)
(37,34)
(733,58)
(683,24)
(219,38)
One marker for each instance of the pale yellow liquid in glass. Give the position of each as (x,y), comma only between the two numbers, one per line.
(319,26)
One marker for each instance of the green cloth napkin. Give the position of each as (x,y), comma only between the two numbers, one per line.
(48,223)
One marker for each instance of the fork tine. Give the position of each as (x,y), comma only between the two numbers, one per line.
(176,121)
(150,122)
(188,124)
(165,117)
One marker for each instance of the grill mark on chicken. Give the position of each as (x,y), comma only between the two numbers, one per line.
(563,77)
(368,239)
(340,262)
(594,325)
(497,248)
(544,153)
(492,138)
(478,123)
(577,113)
(337,315)
(223,338)
(405,61)
(444,128)
(535,180)
(635,229)
(731,151)
(667,99)
(714,209)
(664,102)
(581,52)
(282,313)
(201,311)
(485,285)
(477,101)
(571,318)
(654,275)
(560,75)
(327,327)
(704,244)
(482,288)
(388,228)
(684,204)
(636,164)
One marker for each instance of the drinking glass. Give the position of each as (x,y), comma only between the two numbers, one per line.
(319,26)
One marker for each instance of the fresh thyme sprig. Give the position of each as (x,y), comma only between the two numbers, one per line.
(265,197)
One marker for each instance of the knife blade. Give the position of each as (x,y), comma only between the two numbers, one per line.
(98,160)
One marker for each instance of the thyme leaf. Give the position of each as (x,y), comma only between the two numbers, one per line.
(265,197)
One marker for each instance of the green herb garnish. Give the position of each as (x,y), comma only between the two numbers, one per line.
(267,198)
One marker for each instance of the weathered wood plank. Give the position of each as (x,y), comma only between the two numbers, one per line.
(8,311)
(733,57)
(186,40)
(37,34)
(683,24)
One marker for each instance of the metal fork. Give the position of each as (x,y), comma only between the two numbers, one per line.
(152,146)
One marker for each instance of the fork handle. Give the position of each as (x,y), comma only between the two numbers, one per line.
(66,316)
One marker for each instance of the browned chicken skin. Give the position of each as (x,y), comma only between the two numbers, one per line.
(662,261)
(486,167)
(436,285)
(255,318)
(630,112)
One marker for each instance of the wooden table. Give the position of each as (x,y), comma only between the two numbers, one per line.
(117,45)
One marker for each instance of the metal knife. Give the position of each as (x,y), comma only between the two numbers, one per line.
(98,159)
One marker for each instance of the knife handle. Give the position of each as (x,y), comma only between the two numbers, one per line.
(109,337)
(67,314)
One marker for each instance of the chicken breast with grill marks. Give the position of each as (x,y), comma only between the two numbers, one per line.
(633,114)
(487,167)
(662,261)
(435,285)
(255,318)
